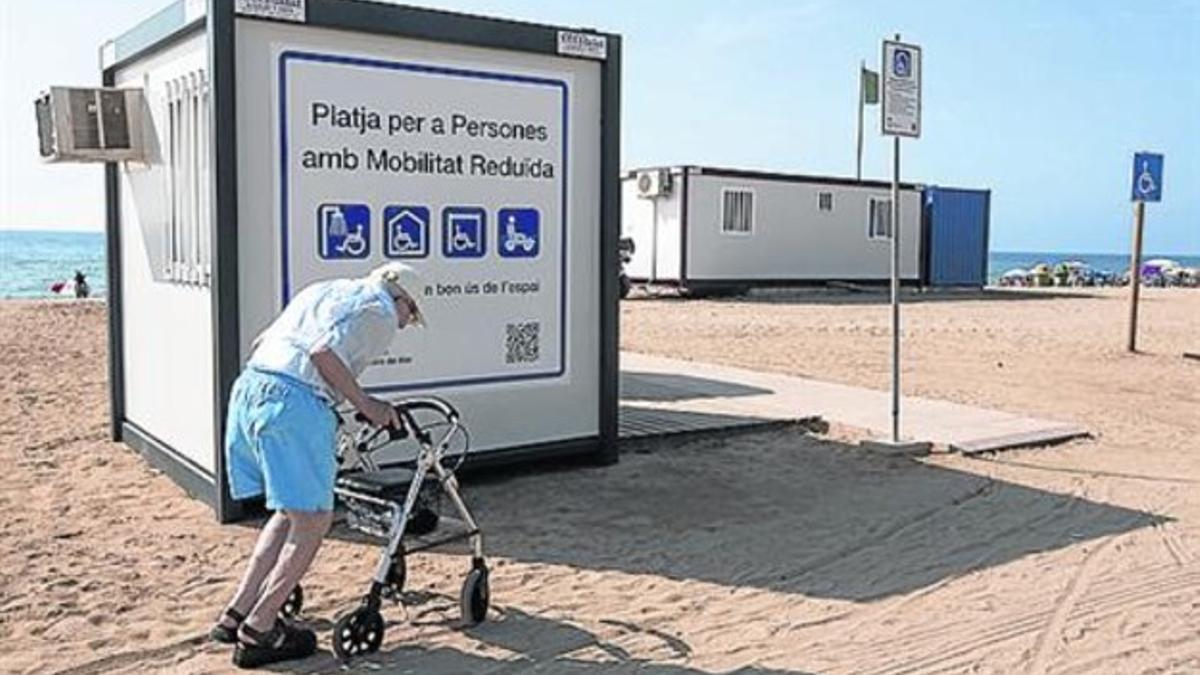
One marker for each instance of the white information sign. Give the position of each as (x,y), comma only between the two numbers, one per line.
(587,45)
(283,10)
(460,173)
(901,70)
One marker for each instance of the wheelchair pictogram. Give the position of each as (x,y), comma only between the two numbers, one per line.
(464,229)
(343,231)
(406,231)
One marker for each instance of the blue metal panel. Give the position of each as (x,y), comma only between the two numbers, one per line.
(957,222)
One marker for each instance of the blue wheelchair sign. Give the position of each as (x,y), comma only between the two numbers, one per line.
(1147,177)
(406,231)
(464,229)
(519,233)
(902,63)
(343,231)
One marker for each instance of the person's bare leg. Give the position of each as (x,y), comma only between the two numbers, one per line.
(305,533)
(262,561)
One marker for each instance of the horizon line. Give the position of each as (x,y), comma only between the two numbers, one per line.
(1190,254)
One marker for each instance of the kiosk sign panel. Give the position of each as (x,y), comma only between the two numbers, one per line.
(457,171)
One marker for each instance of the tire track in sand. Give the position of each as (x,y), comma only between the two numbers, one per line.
(1070,596)
(934,656)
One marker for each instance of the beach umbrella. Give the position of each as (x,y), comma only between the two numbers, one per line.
(1160,264)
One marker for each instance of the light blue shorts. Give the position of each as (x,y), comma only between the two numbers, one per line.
(279,440)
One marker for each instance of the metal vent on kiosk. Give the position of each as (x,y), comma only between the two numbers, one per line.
(89,124)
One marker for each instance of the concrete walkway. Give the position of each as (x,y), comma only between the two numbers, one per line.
(723,394)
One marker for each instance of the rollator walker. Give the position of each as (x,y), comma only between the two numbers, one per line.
(397,500)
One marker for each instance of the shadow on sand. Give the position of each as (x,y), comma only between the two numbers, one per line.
(775,510)
(782,511)
(536,644)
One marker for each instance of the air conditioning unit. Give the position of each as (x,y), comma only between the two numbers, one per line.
(654,183)
(90,125)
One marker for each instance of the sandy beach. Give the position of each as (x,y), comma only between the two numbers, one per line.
(781,551)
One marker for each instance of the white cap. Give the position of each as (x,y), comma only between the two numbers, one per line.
(399,278)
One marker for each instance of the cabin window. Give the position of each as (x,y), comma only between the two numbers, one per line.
(879,219)
(825,201)
(737,211)
(186,242)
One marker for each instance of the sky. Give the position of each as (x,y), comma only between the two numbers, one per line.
(1041,102)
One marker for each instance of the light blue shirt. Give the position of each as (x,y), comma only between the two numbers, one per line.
(354,318)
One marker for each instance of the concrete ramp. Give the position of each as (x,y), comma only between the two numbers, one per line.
(639,422)
(729,396)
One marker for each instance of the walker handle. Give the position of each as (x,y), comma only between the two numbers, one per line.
(429,403)
(404,409)
(394,433)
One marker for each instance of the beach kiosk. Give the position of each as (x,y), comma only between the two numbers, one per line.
(281,142)
(718,230)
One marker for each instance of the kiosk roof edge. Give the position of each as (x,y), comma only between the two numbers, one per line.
(464,15)
(182,16)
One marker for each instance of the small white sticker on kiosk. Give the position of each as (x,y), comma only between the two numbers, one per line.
(587,45)
(283,10)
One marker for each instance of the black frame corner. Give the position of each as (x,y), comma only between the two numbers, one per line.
(112,254)
(226,311)
(610,264)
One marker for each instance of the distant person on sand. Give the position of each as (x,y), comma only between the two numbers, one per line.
(280,437)
(81,285)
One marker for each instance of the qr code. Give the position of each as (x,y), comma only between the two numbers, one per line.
(521,342)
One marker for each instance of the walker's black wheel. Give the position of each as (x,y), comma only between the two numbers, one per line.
(475,596)
(294,603)
(397,575)
(358,633)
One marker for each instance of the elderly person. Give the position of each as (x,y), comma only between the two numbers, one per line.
(280,439)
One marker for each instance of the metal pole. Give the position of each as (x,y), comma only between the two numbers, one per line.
(1135,271)
(895,281)
(862,67)
(896,289)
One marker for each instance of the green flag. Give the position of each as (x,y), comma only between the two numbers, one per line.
(870,86)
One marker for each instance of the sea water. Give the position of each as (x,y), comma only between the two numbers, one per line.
(33,261)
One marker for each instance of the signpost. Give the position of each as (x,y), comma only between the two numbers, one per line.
(901,116)
(1146,187)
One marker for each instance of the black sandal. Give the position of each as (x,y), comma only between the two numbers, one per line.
(284,642)
(222,633)
(225,635)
